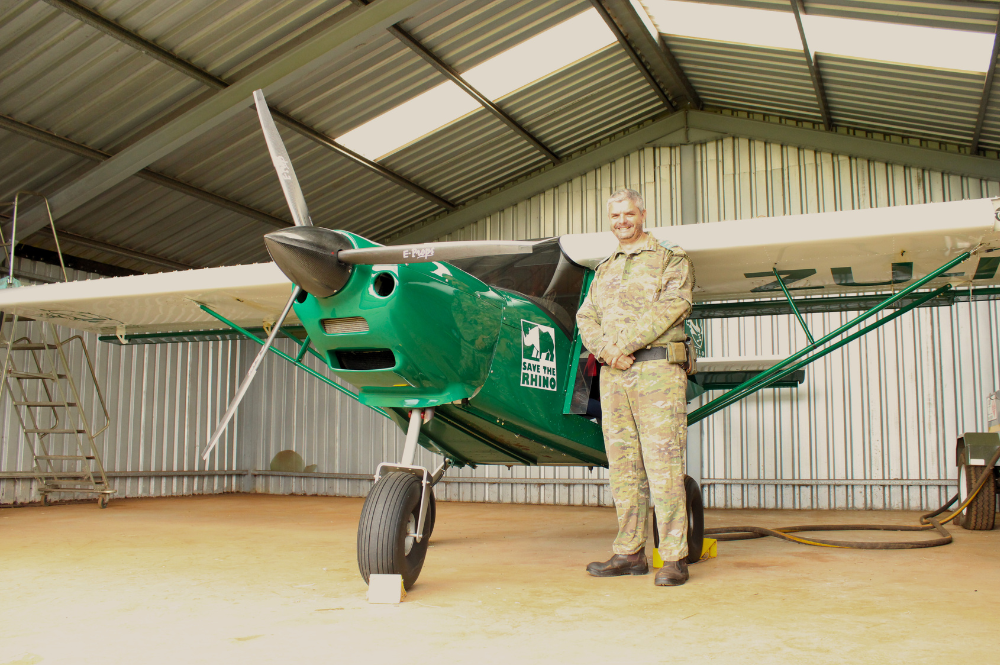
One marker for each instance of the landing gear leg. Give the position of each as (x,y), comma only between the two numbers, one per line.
(399,513)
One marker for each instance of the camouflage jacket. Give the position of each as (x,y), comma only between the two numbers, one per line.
(638,298)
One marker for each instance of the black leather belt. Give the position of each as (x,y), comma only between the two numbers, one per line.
(655,353)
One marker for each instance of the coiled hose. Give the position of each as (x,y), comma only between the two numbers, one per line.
(927,523)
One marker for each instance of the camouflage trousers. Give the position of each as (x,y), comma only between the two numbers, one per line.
(645,435)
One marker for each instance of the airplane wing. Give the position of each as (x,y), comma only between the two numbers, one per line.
(879,249)
(248,295)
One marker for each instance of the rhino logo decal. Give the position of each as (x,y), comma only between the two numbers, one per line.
(538,356)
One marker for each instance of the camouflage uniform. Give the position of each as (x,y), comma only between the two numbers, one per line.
(639,299)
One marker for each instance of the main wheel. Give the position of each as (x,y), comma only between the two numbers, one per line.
(981,513)
(391,512)
(696,521)
(102,500)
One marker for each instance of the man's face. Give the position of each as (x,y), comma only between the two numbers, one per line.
(626,220)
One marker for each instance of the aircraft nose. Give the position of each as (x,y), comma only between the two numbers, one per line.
(308,257)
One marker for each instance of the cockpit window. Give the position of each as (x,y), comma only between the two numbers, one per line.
(546,277)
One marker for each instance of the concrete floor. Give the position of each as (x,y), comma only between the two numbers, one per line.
(273,579)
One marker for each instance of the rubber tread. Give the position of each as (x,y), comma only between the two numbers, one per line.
(980,515)
(381,529)
(696,527)
(696,519)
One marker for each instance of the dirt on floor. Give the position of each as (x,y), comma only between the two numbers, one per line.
(274,579)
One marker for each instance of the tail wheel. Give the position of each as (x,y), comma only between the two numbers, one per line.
(696,521)
(392,512)
(981,513)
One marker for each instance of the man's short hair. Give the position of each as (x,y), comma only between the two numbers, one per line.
(627,195)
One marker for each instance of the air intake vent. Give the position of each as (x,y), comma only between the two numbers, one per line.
(366,360)
(350,324)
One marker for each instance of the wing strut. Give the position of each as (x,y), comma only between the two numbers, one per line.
(248,379)
(774,374)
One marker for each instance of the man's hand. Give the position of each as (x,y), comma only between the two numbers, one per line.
(623,362)
(613,356)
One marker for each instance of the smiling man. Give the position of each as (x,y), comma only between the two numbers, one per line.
(633,321)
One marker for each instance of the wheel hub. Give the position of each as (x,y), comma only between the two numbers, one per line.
(411,527)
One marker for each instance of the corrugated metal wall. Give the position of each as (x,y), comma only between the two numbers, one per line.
(873,426)
(163,401)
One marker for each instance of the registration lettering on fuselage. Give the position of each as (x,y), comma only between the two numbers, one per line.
(538,356)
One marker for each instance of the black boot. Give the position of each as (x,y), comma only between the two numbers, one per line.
(620,564)
(673,573)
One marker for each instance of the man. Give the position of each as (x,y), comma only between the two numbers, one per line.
(633,320)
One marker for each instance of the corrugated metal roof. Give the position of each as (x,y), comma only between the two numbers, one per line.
(902,99)
(990,137)
(752,78)
(978,16)
(585,101)
(66,77)
(975,15)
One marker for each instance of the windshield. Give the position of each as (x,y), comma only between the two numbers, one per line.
(546,277)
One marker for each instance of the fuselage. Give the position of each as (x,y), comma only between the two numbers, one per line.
(488,343)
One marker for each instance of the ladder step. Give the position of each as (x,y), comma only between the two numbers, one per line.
(31,346)
(77,457)
(47,404)
(36,375)
(54,430)
(55,476)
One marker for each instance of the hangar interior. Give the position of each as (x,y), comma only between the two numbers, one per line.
(421,120)
(705,129)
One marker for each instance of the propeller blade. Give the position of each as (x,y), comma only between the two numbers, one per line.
(282,164)
(434,251)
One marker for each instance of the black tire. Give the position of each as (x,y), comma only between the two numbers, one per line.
(696,521)
(383,547)
(46,501)
(102,500)
(981,513)
(431,514)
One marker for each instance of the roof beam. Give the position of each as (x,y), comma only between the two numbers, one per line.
(122,251)
(457,79)
(633,55)
(696,126)
(987,90)
(824,108)
(56,141)
(652,50)
(363,25)
(153,50)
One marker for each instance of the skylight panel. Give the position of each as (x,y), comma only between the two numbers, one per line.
(409,121)
(869,40)
(724,23)
(531,60)
(541,55)
(894,42)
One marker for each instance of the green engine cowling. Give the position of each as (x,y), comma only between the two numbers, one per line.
(408,336)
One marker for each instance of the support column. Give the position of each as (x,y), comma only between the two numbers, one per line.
(689,193)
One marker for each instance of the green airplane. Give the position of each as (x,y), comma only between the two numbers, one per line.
(472,347)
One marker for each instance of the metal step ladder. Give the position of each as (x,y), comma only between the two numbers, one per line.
(38,376)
